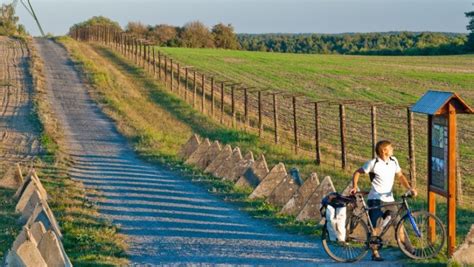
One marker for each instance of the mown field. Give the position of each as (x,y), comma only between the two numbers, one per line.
(391,79)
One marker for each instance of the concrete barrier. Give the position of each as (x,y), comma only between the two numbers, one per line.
(310,210)
(26,255)
(52,250)
(270,182)
(209,156)
(465,252)
(241,167)
(44,215)
(199,153)
(37,231)
(225,153)
(225,170)
(284,191)
(27,205)
(13,178)
(297,202)
(31,177)
(24,235)
(255,174)
(190,146)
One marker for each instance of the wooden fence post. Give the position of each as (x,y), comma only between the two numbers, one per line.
(203,93)
(316,133)
(275,117)
(342,126)
(154,63)
(166,70)
(212,97)
(295,125)
(159,65)
(260,122)
(246,108)
(373,122)
(222,102)
(186,84)
(194,89)
(171,74)
(232,91)
(178,79)
(411,147)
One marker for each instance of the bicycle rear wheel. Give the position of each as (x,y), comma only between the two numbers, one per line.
(422,238)
(355,246)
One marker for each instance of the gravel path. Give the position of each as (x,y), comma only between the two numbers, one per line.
(168,219)
(18,137)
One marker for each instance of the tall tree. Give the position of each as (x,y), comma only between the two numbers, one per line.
(97,20)
(197,35)
(137,28)
(8,21)
(224,36)
(165,34)
(470,27)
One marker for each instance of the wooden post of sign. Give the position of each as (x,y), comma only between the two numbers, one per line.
(232,98)
(212,97)
(275,117)
(411,147)
(295,125)
(451,179)
(260,122)
(431,194)
(194,89)
(373,123)
(316,133)
(222,102)
(246,108)
(342,127)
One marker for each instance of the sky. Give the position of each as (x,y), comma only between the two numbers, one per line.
(260,16)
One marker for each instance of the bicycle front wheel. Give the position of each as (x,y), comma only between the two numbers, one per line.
(422,236)
(355,246)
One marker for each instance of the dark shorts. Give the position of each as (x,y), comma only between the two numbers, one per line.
(375,214)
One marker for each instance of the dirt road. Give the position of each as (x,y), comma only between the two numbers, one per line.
(18,136)
(168,219)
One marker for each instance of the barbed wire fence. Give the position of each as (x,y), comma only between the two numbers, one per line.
(332,132)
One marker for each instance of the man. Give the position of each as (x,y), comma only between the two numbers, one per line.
(382,171)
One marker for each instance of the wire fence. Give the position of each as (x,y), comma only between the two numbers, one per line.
(338,133)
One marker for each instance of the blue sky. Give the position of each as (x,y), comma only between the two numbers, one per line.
(261,16)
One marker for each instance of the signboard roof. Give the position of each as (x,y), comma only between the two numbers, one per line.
(432,103)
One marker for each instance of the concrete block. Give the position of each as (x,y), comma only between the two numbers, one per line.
(190,146)
(28,205)
(22,237)
(23,186)
(465,252)
(29,191)
(284,191)
(255,174)
(27,255)
(225,153)
(297,202)
(209,156)
(37,231)
(310,210)
(225,170)
(52,250)
(13,178)
(270,182)
(199,153)
(241,167)
(43,214)
(32,176)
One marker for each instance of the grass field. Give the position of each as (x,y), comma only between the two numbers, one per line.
(395,80)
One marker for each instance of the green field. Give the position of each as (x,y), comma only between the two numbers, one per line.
(391,79)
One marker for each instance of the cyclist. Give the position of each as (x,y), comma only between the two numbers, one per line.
(382,172)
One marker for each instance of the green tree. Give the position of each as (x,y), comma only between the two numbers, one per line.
(196,35)
(224,36)
(8,21)
(165,34)
(95,21)
(470,27)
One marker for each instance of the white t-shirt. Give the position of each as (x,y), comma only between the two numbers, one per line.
(384,177)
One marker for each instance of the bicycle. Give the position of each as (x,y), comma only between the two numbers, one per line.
(419,234)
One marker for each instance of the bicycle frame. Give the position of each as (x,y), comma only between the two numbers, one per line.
(403,207)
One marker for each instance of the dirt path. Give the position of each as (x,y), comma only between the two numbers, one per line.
(18,136)
(168,219)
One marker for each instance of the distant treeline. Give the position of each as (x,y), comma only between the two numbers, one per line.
(390,43)
(197,35)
